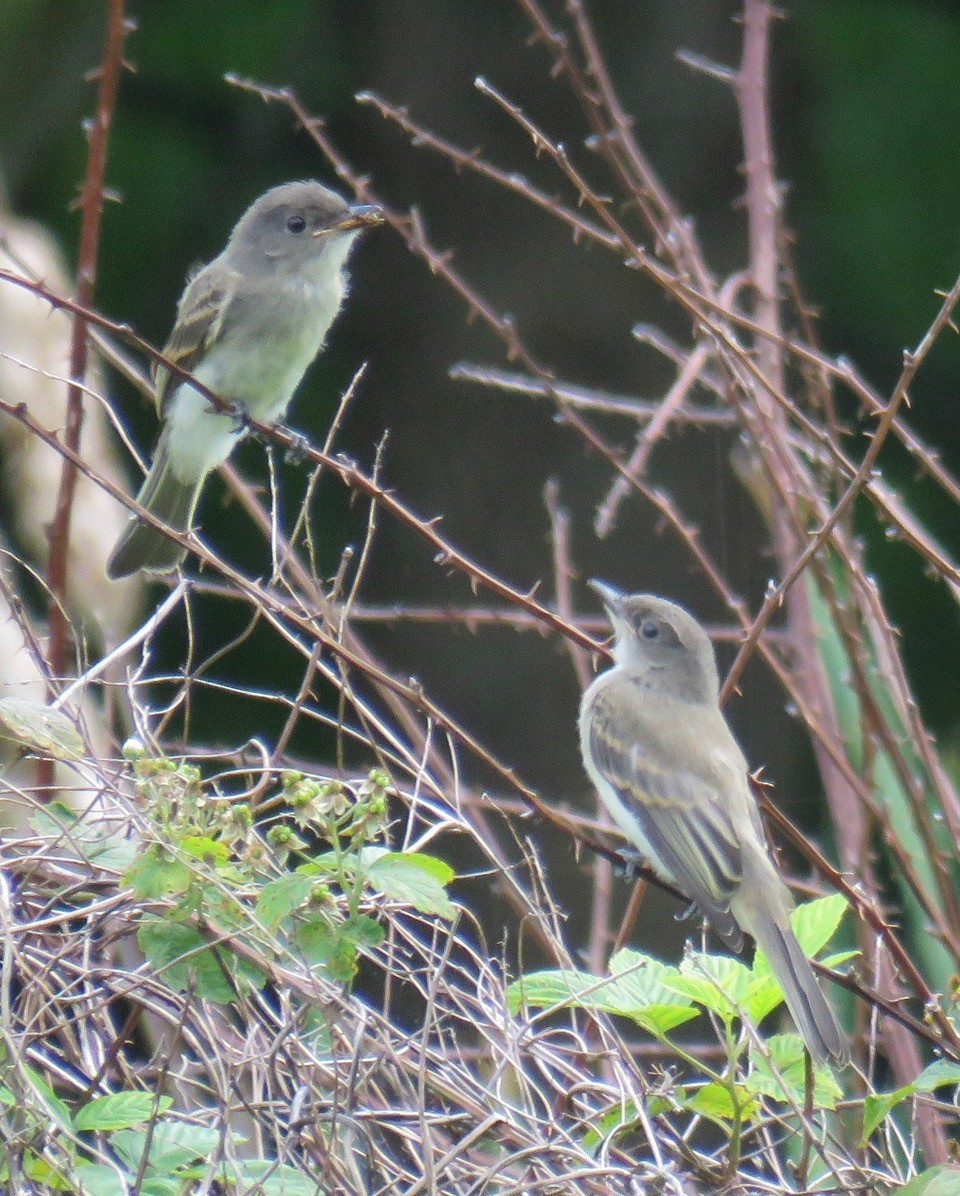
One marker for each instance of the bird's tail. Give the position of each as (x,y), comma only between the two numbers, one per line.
(812,1014)
(143,546)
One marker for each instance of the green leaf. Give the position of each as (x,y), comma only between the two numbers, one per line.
(157,874)
(717,982)
(814,923)
(279,1180)
(55,1106)
(96,1179)
(48,1176)
(179,953)
(322,944)
(715,1101)
(412,878)
(120,1110)
(783,1077)
(364,931)
(937,1181)
(54,818)
(158,1185)
(619,1118)
(94,841)
(876,1106)
(943,1071)
(279,898)
(839,957)
(637,990)
(173,1144)
(763,996)
(38,728)
(202,847)
(643,987)
(165,943)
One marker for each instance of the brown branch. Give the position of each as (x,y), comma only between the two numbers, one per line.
(471,160)
(277,610)
(775,596)
(91,209)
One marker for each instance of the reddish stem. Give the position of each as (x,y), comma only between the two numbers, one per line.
(92,209)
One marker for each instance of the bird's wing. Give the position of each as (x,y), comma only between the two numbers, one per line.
(684,813)
(201,315)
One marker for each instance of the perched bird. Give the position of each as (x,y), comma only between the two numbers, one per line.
(248,325)
(659,750)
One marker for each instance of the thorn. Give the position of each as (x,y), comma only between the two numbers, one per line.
(697,62)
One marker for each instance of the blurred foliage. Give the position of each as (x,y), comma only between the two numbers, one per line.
(881,197)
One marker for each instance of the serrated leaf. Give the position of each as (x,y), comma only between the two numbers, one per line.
(439,869)
(179,953)
(341,963)
(173,1144)
(156,874)
(279,898)
(784,1076)
(636,991)
(412,878)
(34,727)
(763,995)
(120,1110)
(717,982)
(628,964)
(165,943)
(364,931)
(715,1101)
(814,923)
(202,847)
(325,945)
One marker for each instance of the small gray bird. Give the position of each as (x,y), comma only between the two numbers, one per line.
(248,325)
(667,767)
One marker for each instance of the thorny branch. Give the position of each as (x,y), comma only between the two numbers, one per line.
(755,387)
(293,620)
(807,474)
(91,206)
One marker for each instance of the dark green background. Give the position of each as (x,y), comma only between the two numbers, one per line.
(867,99)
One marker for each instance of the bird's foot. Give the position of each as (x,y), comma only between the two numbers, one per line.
(240,417)
(629,863)
(298,450)
(687,912)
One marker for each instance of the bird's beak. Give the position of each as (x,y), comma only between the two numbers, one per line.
(610,596)
(362,215)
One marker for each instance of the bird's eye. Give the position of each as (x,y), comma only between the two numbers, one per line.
(296,224)
(649,629)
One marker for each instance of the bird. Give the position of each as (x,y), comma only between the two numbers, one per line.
(666,765)
(248,325)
